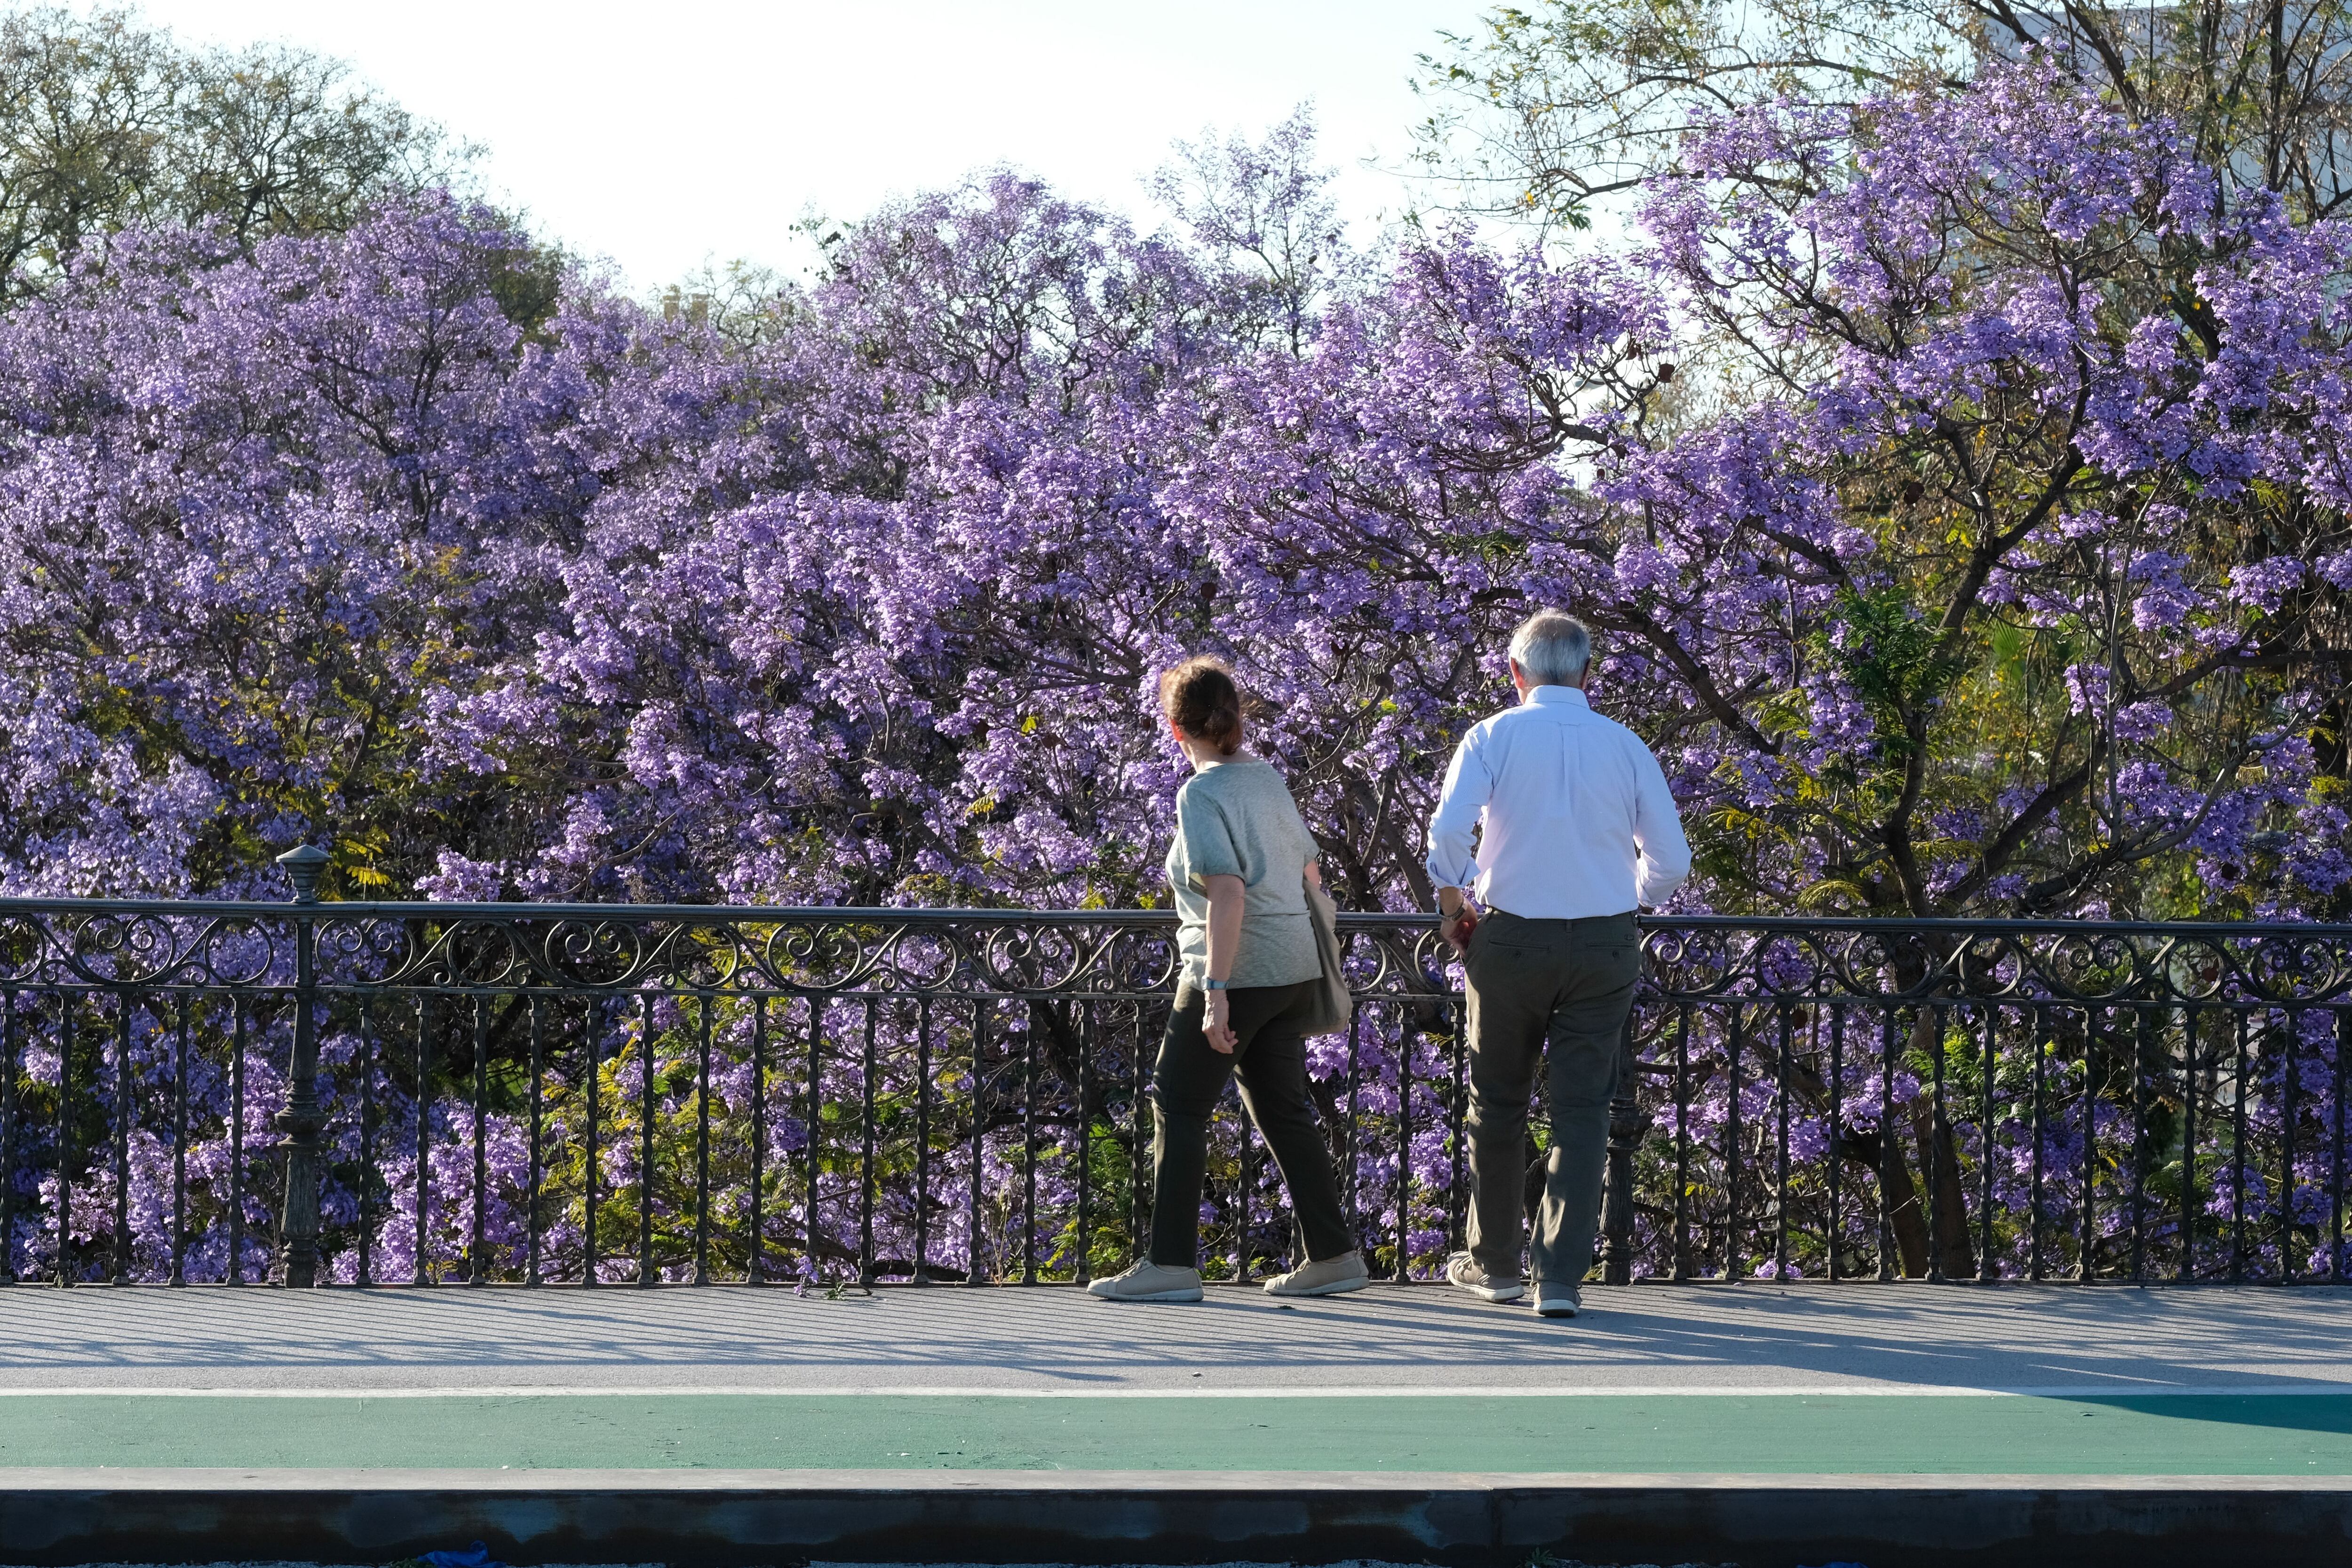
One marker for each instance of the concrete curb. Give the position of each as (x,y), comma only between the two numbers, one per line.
(732,1519)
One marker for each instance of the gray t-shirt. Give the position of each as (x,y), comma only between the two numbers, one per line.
(1237,819)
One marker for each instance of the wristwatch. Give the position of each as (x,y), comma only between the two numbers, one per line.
(1211,984)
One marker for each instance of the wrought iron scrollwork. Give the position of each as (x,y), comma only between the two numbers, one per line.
(1708,958)
(799,951)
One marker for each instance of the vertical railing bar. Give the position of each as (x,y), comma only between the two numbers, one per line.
(755,1266)
(1355,1119)
(647,1275)
(2238,1157)
(972,1275)
(2086,1263)
(1029,1153)
(1458,1206)
(2291,1072)
(1735,1256)
(2336,1208)
(1780,1172)
(125,1093)
(1627,1124)
(1681,1263)
(303,1119)
(235,1145)
(424,1133)
(2039,1028)
(2187,1269)
(922,1140)
(814,1098)
(1889,1150)
(8,1115)
(1986,1271)
(703,1001)
(2139,1033)
(537,1178)
(478,1270)
(1139,1169)
(1837,1132)
(369,1036)
(1082,1142)
(866,1158)
(593,1054)
(179,1144)
(1932,1159)
(1404,1271)
(65,1032)
(1245,1210)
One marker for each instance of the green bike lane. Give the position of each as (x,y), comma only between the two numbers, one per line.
(2234,1434)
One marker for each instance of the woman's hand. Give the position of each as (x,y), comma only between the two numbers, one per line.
(1217,1025)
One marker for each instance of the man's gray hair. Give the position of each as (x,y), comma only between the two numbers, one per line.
(1552,647)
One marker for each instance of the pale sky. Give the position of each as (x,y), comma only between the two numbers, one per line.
(660,136)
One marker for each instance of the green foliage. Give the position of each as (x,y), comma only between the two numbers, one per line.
(1888,650)
(1548,110)
(106,122)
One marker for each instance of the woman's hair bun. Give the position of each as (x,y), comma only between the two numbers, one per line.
(1199,696)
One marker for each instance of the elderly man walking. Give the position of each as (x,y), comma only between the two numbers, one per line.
(1575,828)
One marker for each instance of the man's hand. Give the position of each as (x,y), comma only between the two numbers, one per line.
(1455,918)
(1218,1023)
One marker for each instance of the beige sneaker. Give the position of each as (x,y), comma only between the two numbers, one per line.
(1330,1277)
(1149,1281)
(1463,1272)
(1558,1300)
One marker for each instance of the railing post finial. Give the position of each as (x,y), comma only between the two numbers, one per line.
(303,864)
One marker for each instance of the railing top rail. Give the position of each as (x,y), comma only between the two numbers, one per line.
(816,915)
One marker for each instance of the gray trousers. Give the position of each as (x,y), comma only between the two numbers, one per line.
(1568,985)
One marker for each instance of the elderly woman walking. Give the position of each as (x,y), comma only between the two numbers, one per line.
(1239,868)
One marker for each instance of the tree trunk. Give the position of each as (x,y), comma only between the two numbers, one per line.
(1882,1156)
(1938,1152)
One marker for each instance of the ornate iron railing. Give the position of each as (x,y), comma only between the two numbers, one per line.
(530,1093)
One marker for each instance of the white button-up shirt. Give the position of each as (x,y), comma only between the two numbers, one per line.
(1578,819)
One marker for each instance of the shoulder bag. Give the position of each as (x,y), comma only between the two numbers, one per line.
(1333,1005)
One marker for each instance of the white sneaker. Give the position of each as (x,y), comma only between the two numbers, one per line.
(1463,1272)
(1329,1278)
(1556,1300)
(1149,1281)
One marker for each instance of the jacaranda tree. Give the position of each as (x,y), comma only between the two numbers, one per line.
(1956,480)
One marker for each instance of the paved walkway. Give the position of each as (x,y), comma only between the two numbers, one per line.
(1894,1425)
(1752,1339)
(1751,1379)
